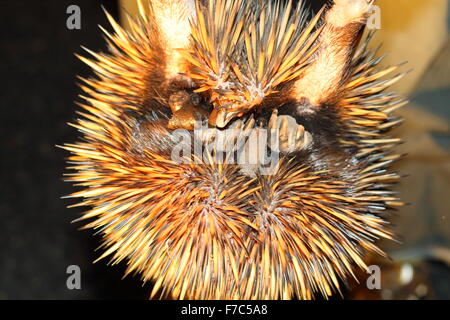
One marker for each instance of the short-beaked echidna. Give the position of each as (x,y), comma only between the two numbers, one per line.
(200,228)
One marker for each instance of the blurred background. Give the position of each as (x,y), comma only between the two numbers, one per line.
(38,68)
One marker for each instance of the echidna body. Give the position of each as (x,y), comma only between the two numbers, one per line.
(205,229)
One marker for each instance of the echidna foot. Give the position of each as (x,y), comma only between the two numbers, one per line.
(292,137)
(186,110)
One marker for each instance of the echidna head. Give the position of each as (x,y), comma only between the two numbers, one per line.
(203,80)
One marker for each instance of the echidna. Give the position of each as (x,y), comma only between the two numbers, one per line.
(208,226)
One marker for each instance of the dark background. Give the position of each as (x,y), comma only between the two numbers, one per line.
(38,70)
(38,77)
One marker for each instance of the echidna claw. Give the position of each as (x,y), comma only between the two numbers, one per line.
(220,117)
(292,137)
(186,110)
(249,125)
